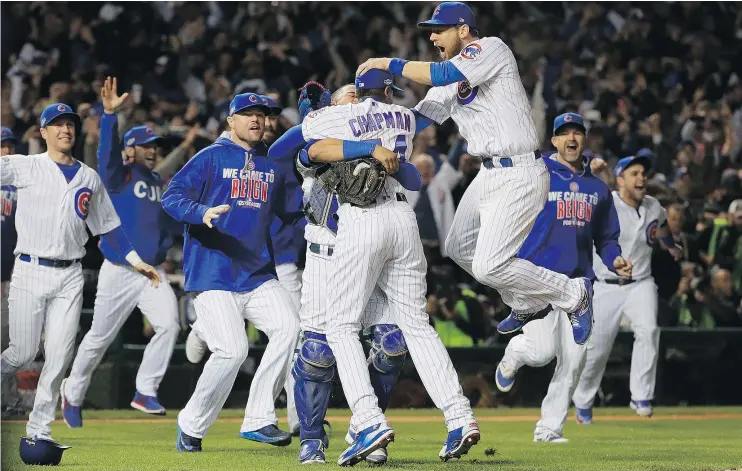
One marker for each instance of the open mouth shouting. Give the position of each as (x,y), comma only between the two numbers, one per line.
(572,146)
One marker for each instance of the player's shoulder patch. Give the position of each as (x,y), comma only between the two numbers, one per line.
(472,51)
(82,202)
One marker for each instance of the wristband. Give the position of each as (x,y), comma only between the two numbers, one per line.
(133,258)
(396,66)
(354,149)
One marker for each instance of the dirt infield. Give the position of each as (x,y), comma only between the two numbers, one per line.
(411,419)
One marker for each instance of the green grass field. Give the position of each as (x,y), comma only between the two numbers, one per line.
(675,439)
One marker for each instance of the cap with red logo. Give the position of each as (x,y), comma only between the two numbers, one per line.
(139,136)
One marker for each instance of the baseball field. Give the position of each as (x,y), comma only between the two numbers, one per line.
(675,439)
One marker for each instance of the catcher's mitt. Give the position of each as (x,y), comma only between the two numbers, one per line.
(357,182)
(313,96)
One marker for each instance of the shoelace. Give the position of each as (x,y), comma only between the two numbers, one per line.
(521,316)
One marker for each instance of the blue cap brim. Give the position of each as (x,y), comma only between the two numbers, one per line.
(265,108)
(577,125)
(434,23)
(74,115)
(9,138)
(148,140)
(276,110)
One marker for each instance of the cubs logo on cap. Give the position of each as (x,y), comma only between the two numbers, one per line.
(56,110)
(247,100)
(139,136)
(450,14)
(571,119)
(627,162)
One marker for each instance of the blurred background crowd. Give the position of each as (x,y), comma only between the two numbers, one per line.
(662,79)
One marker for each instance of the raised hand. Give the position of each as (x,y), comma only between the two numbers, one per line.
(109,96)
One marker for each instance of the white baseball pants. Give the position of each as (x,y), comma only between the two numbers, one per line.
(9,394)
(638,302)
(290,277)
(381,245)
(43,298)
(120,290)
(221,324)
(492,221)
(541,341)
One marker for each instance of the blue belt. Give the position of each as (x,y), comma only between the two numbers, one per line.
(47,262)
(488,162)
(316,248)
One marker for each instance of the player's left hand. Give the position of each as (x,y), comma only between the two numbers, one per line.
(375,63)
(623,267)
(597,164)
(149,271)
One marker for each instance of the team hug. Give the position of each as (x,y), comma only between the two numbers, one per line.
(565,253)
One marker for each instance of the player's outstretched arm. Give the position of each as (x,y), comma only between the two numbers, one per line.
(427,73)
(118,240)
(606,230)
(16,170)
(181,198)
(110,163)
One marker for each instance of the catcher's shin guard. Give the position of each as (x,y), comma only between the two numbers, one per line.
(314,370)
(386,360)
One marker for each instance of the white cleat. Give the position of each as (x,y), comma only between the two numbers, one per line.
(195,348)
(549,437)
(642,408)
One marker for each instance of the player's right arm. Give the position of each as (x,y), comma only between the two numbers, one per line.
(16,170)
(111,168)
(606,230)
(435,107)
(181,198)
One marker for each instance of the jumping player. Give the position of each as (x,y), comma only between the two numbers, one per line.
(57,197)
(135,190)
(228,195)
(643,223)
(479,87)
(578,214)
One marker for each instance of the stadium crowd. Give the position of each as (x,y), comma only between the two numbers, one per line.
(662,79)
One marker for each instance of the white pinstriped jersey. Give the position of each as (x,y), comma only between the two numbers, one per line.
(638,236)
(391,126)
(491,107)
(322,230)
(52,214)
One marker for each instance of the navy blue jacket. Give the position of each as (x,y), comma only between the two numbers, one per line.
(578,214)
(236,254)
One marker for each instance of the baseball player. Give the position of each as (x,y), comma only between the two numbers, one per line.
(479,87)
(228,195)
(643,222)
(57,197)
(135,191)
(578,215)
(380,245)
(11,400)
(314,369)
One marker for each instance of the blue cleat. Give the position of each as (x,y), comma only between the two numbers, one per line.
(378,457)
(582,318)
(516,320)
(366,442)
(459,441)
(642,408)
(72,415)
(186,443)
(504,378)
(584,416)
(269,434)
(148,404)
(312,451)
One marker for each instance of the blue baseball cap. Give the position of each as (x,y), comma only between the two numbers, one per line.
(56,110)
(645,152)
(572,119)
(6,135)
(139,136)
(450,14)
(248,100)
(376,78)
(627,162)
(275,109)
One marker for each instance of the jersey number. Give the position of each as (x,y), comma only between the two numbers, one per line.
(400,146)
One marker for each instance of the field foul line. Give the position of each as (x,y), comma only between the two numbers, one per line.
(411,419)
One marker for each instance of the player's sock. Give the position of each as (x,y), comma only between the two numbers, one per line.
(386,360)
(314,370)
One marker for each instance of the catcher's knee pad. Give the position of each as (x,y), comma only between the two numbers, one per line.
(388,348)
(314,370)
(315,361)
